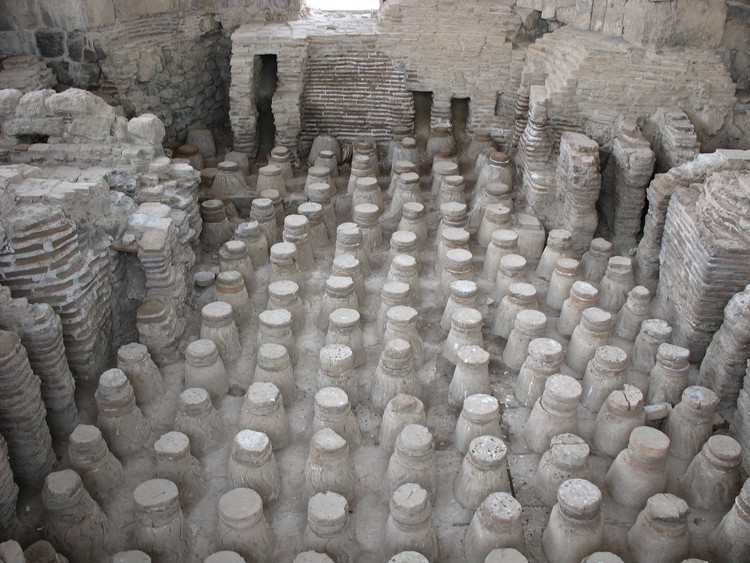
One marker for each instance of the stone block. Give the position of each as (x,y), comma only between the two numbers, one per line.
(82,48)
(50,44)
(203,139)
(699,23)
(146,128)
(49,126)
(61,70)
(90,128)
(79,102)
(84,75)
(17,43)
(149,65)
(33,104)
(8,101)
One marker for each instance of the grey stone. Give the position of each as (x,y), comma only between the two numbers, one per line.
(146,128)
(50,43)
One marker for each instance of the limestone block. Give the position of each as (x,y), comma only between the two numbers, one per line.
(146,128)
(699,22)
(9,99)
(79,102)
(34,104)
(120,129)
(50,126)
(84,75)
(50,43)
(11,552)
(90,128)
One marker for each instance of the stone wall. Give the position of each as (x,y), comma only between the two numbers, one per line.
(479,51)
(592,79)
(695,23)
(174,67)
(169,57)
(709,223)
(449,49)
(352,92)
(77,211)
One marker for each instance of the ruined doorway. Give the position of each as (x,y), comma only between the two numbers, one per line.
(459,119)
(266,80)
(422,116)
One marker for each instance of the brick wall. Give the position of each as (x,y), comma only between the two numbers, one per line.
(352,92)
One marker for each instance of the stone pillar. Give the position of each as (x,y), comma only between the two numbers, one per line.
(723,367)
(578,185)
(40,330)
(624,184)
(703,225)
(22,414)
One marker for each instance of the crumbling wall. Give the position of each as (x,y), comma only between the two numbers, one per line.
(593,79)
(694,23)
(174,67)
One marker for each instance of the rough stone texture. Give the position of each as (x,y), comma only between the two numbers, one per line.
(711,225)
(734,44)
(740,423)
(576,67)
(578,185)
(624,184)
(41,334)
(26,73)
(674,139)
(72,277)
(723,367)
(146,128)
(659,193)
(173,67)
(22,414)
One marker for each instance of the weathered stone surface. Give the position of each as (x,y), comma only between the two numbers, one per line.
(34,104)
(710,223)
(724,365)
(69,15)
(146,128)
(578,184)
(49,43)
(79,102)
(675,23)
(624,184)
(9,99)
